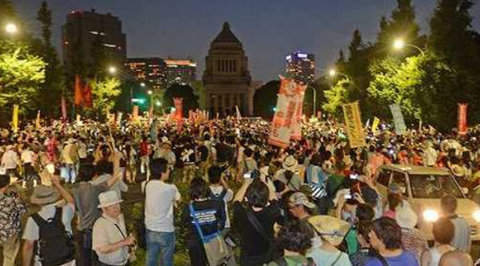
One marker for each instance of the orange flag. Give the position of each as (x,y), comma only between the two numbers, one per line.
(78,100)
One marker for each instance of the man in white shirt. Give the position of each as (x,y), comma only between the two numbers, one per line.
(160,199)
(110,239)
(47,198)
(10,161)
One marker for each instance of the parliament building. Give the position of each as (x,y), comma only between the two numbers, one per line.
(226,79)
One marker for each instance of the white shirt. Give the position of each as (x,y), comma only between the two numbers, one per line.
(227,198)
(32,232)
(27,156)
(159,201)
(10,159)
(106,231)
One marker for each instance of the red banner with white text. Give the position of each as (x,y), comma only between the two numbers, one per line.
(462,119)
(285,118)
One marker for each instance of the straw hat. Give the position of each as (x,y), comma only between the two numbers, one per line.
(331,229)
(43,195)
(298,198)
(108,198)
(290,163)
(457,170)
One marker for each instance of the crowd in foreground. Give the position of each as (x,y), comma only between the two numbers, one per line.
(313,203)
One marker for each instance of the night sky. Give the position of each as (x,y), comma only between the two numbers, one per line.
(269,29)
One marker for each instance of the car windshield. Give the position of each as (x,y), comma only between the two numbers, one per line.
(434,186)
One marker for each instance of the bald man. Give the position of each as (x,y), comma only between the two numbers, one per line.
(456,258)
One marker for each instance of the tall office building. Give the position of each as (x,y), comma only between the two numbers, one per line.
(152,71)
(87,33)
(301,67)
(180,71)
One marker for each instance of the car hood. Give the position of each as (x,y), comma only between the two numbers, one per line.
(466,207)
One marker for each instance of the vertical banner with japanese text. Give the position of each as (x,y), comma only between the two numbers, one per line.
(375,124)
(400,127)
(297,127)
(178,102)
(462,119)
(135,113)
(353,124)
(284,118)
(15,118)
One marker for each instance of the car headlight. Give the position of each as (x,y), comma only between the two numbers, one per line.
(476,215)
(431,215)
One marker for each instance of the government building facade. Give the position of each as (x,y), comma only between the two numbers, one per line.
(226,79)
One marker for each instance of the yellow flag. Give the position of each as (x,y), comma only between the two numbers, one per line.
(375,123)
(37,122)
(353,124)
(15,118)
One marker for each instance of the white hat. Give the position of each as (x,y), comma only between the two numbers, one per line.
(406,217)
(108,198)
(290,163)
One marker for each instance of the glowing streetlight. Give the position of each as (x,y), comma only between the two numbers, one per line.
(158,103)
(112,70)
(398,44)
(150,92)
(11,28)
(332,72)
(142,84)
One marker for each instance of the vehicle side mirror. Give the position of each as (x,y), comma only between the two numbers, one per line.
(465,190)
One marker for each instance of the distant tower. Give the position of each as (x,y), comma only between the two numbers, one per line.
(84,30)
(301,67)
(226,78)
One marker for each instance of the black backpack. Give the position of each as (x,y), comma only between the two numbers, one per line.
(55,245)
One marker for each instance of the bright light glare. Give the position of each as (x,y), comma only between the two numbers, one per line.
(149,92)
(398,44)
(476,215)
(11,28)
(332,72)
(158,103)
(112,70)
(142,84)
(430,215)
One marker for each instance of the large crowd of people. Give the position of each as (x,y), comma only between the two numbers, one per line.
(249,203)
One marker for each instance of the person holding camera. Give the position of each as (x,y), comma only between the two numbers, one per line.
(255,212)
(110,238)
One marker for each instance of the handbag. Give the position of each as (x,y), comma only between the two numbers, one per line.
(217,251)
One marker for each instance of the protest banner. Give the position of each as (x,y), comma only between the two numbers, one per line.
(38,125)
(353,124)
(297,127)
(400,127)
(375,124)
(462,119)
(15,118)
(284,118)
(135,113)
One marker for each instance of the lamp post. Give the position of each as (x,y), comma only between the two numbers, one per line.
(399,44)
(11,28)
(333,73)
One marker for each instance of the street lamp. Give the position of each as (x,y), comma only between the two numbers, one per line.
(399,44)
(112,70)
(142,84)
(333,73)
(11,28)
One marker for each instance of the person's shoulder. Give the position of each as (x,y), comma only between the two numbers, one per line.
(373,262)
